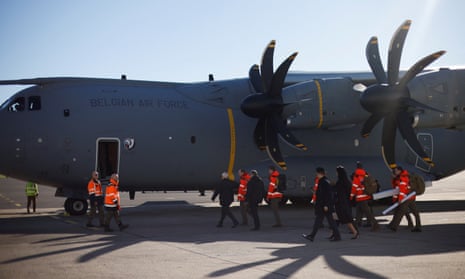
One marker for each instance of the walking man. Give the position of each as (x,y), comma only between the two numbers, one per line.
(112,204)
(324,207)
(254,196)
(94,188)
(273,195)
(32,192)
(226,192)
(244,179)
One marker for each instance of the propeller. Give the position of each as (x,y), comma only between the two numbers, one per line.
(390,99)
(267,105)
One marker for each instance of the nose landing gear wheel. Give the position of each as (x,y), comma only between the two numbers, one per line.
(76,206)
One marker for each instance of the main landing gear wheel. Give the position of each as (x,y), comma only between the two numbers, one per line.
(76,206)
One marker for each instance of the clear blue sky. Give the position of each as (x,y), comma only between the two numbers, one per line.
(187,40)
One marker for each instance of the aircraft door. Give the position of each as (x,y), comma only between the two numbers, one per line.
(426,141)
(107,157)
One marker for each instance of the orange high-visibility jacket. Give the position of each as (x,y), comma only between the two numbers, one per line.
(273,188)
(358,189)
(404,186)
(94,187)
(243,186)
(112,195)
(395,185)
(315,188)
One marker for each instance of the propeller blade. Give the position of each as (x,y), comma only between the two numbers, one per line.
(395,51)
(419,66)
(407,132)
(259,134)
(389,140)
(266,67)
(286,135)
(374,60)
(277,82)
(370,123)
(255,78)
(272,145)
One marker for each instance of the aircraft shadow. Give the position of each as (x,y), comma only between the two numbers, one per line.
(150,223)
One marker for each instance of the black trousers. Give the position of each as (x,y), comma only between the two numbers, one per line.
(253,211)
(31,199)
(319,222)
(226,211)
(96,204)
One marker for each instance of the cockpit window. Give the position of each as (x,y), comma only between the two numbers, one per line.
(18,104)
(34,103)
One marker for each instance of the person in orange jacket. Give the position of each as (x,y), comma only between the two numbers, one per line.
(315,188)
(273,196)
(242,191)
(362,198)
(112,204)
(403,181)
(395,198)
(94,188)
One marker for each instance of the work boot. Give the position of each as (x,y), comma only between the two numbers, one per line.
(122,227)
(308,236)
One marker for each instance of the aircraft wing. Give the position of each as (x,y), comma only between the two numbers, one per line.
(366,78)
(51,80)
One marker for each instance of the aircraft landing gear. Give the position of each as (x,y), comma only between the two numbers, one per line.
(76,206)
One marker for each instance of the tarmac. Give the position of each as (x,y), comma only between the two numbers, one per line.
(174,235)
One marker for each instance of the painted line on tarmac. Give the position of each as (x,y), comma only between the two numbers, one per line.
(7,199)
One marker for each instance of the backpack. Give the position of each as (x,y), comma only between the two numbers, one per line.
(417,183)
(281,183)
(371,185)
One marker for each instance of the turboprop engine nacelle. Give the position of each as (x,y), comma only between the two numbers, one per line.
(323,103)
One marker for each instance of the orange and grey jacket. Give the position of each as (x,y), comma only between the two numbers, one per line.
(273,188)
(243,187)
(94,187)
(112,194)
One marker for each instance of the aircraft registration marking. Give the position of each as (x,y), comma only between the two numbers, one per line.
(138,103)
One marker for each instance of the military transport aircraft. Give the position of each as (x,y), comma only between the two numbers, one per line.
(181,136)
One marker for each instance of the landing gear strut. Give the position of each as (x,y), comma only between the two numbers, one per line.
(76,206)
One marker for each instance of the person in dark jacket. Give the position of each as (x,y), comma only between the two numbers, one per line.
(226,191)
(342,200)
(254,196)
(324,207)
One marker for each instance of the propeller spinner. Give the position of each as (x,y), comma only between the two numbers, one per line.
(390,99)
(267,105)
